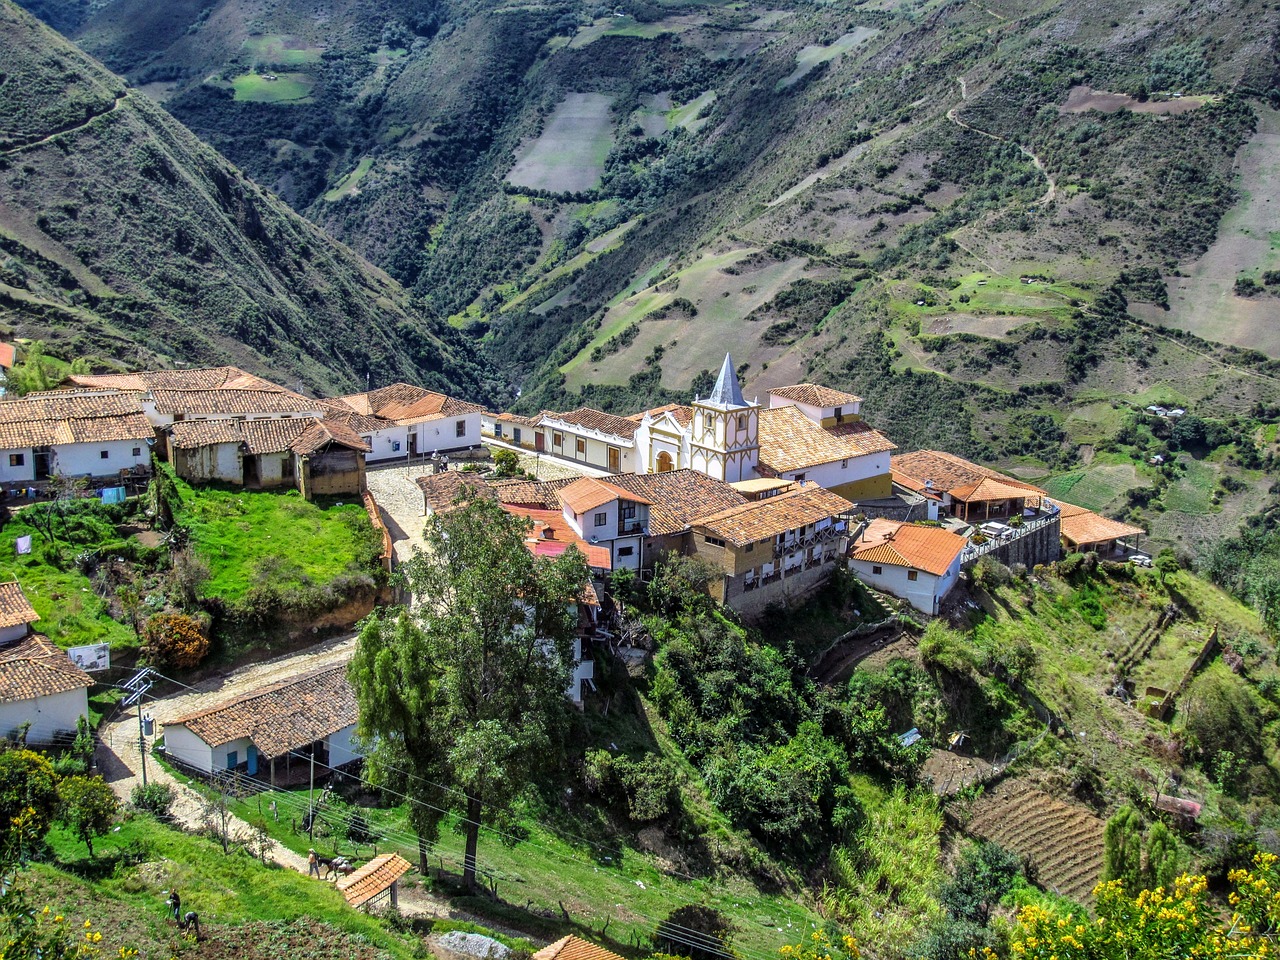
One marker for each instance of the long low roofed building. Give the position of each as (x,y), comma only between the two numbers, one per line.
(74,435)
(281,725)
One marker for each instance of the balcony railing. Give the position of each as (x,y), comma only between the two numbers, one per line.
(974,550)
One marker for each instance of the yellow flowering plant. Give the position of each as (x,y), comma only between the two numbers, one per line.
(821,946)
(1178,921)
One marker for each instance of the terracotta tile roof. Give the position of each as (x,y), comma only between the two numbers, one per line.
(280,717)
(682,414)
(758,485)
(405,404)
(946,470)
(603,423)
(1081,527)
(441,491)
(995,488)
(552,535)
(814,395)
(518,420)
(589,493)
(190,434)
(359,422)
(15,608)
(763,519)
(57,417)
(231,402)
(930,549)
(679,497)
(321,433)
(373,878)
(538,494)
(790,441)
(574,948)
(108,381)
(273,436)
(8,355)
(34,667)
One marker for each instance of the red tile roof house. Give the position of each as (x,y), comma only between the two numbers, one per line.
(94,435)
(39,684)
(914,563)
(271,731)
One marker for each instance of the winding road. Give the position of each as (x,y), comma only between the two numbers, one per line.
(1050,194)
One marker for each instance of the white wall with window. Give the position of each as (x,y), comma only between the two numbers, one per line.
(923,590)
(99,459)
(17,465)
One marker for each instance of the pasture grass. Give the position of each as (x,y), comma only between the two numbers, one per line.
(814,54)
(569,155)
(235,531)
(1191,493)
(274,48)
(125,900)
(610,880)
(687,115)
(347,184)
(286,88)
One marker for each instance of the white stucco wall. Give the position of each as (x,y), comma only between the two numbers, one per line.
(389,444)
(596,453)
(19,473)
(49,716)
(185,747)
(923,593)
(79,459)
(442,435)
(217,461)
(854,469)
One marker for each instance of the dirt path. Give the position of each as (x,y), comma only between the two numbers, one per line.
(120,762)
(1051,193)
(18,148)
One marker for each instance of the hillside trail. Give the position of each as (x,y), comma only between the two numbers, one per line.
(1051,193)
(120,97)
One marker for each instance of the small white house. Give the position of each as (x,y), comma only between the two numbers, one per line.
(39,684)
(914,563)
(400,421)
(267,732)
(93,435)
(604,514)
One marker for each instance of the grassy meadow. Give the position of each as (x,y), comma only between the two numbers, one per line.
(285,88)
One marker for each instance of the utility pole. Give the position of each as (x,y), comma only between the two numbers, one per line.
(311,804)
(137,686)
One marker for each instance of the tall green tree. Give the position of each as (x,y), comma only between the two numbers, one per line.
(1122,849)
(462,694)
(88,807)
(29,796)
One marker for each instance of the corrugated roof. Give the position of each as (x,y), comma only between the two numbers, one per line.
(588,493)
(930,549)
(1081,527)
(34,667)
(590,419)
(280,717)
(574,948)
(790,441)
(763,519)
(815,395)
(373,878)
(8,355)
(15,608)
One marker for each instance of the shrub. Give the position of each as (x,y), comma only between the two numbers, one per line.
(154,798)
(700,933)
(174,640)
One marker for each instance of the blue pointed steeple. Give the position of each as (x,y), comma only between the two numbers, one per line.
(726,392)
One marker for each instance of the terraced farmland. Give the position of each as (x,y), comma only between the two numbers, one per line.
(1062,841)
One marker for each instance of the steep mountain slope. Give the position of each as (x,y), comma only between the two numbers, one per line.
(122,235)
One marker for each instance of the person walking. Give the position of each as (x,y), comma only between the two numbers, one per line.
(313,864)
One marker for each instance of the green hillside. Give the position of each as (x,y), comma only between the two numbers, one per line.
(125,239)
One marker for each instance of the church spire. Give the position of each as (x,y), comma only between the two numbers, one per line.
(726,392)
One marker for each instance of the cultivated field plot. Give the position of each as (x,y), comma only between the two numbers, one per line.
(1083,98)
(570,154)
(990,298)
(1063,841)
(982,325)
(689,115)
(348,184)
(814,54)
(628,27)
(723,300)
(284,88)
(274,48)
(1095,488)
(1203,298)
